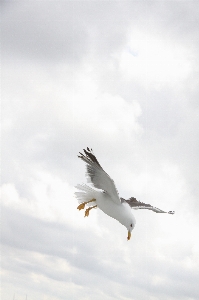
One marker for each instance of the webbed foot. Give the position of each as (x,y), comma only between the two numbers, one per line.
(87,212)
(88,209)
(81,206)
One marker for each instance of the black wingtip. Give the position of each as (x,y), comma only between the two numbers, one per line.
(90,156)
(81,155)
(171,212)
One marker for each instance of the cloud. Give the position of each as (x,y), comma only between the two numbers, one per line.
(121,78)
(44,34)
(155,60)
(55,251)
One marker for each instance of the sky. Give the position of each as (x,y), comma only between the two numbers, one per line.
(120,77)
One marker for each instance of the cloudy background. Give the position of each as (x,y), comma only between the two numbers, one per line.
(120,77)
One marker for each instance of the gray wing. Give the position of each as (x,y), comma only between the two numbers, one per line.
(98,177)
(135,204)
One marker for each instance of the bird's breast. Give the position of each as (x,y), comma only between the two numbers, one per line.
(121,212)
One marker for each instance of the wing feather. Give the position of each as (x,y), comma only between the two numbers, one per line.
(97,176)
(135,204)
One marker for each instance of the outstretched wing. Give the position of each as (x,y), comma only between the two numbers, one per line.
(135,204)
(98,177)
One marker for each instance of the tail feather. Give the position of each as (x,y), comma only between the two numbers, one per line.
(86,194)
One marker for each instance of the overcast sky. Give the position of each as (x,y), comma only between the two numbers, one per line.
(120,77)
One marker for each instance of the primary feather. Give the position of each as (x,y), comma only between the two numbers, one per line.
(98,177)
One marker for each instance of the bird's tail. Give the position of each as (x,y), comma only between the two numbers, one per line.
(86,194)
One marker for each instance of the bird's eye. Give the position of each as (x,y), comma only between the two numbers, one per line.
(131,225)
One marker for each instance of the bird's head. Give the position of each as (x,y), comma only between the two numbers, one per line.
(130,228)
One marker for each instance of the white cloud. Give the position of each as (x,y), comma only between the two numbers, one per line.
(155,60)
(120,77)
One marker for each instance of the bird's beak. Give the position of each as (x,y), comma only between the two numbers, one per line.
(129,235)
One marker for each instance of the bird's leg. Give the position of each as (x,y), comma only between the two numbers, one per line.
(82,205)
(88,209)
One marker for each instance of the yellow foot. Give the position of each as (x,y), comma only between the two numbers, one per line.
(81,206)
(87,212)
(88,209)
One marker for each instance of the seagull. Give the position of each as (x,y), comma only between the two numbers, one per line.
(105,196)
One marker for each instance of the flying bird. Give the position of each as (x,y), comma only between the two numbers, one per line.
(105,195)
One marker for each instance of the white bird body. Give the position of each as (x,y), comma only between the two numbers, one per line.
(121,212)
(106,196)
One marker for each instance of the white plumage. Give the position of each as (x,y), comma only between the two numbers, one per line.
(106,196)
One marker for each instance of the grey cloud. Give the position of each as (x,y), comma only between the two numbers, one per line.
(67,31)
(56,240)
(43,32)
(45,47)
(62,32)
